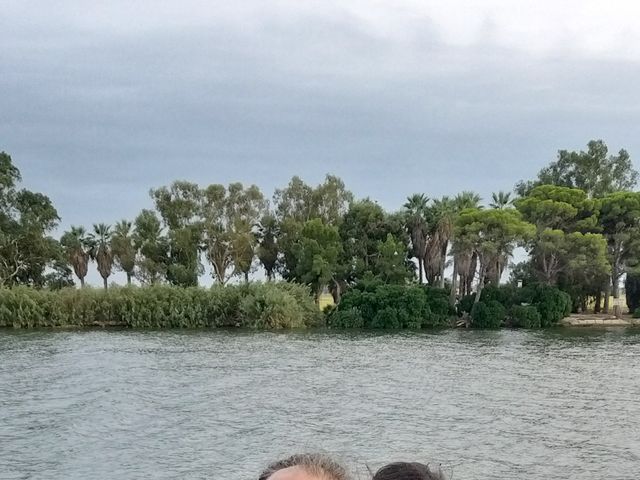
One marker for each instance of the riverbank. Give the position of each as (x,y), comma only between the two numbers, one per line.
(282,305)
(599,320)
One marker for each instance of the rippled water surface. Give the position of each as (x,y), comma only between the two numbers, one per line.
(220,405)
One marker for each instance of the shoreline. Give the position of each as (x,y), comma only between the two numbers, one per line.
(599,320)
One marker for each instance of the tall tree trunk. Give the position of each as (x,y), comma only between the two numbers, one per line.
(454,284)
(616,294)
(336,292)
(607,295)
(246,277)
(472,272)
(420,268)
(81,282)
(443,262)
(104,282)
(598,303)
(128,278)
(483,269)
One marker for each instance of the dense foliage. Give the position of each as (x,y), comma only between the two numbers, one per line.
(488,314)
(255,305)
(385,306)
(524,316)
(579,222)
(632,290)
(535,305)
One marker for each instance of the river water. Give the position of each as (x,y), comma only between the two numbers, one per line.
(220,405)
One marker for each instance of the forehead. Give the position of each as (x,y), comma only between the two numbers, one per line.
(292,473)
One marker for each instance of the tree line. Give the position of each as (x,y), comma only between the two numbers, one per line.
(578,220)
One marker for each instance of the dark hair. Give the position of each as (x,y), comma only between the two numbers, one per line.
(313,463)
(408,471)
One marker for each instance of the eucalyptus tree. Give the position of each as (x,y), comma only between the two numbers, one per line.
(594,171)
(243,246)
(124,248)
(416,211)
(318,249)
(101,251)
(268,249)
(27,218)
(179,208)
(364,227)
(491,234)
(298,203)
(230,217)
(77,246)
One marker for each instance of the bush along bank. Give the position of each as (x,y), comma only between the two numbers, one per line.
(383,306)
(380,306)
(533,306)
(255,305)
(367,305)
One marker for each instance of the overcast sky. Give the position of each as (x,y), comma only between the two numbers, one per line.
(100,103)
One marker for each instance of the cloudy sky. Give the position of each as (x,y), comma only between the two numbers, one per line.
(100,103)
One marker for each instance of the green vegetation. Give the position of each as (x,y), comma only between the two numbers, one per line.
(385,306)
(579,222)
(489,314)
(273,306)
(524,316)
(532,306)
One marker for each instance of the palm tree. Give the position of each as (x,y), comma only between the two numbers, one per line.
(443,216)
(415,220)
(152,246)
(76,245)
(101,250)
(501,200)
(123,248)
(467,199)
(464,258)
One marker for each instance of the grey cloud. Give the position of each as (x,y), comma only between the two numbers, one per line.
(95,119)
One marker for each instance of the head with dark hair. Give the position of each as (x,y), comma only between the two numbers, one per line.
(408,471)
(305,466)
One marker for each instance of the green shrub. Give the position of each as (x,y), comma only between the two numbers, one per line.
(255,305)
(552,303)
(438,302)
(632,290)
(487,315)
(507,295)
(465,304)
(382,306)
(346,318)
(524,316)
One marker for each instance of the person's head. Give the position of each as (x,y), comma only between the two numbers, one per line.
(408,471)
(306,466)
